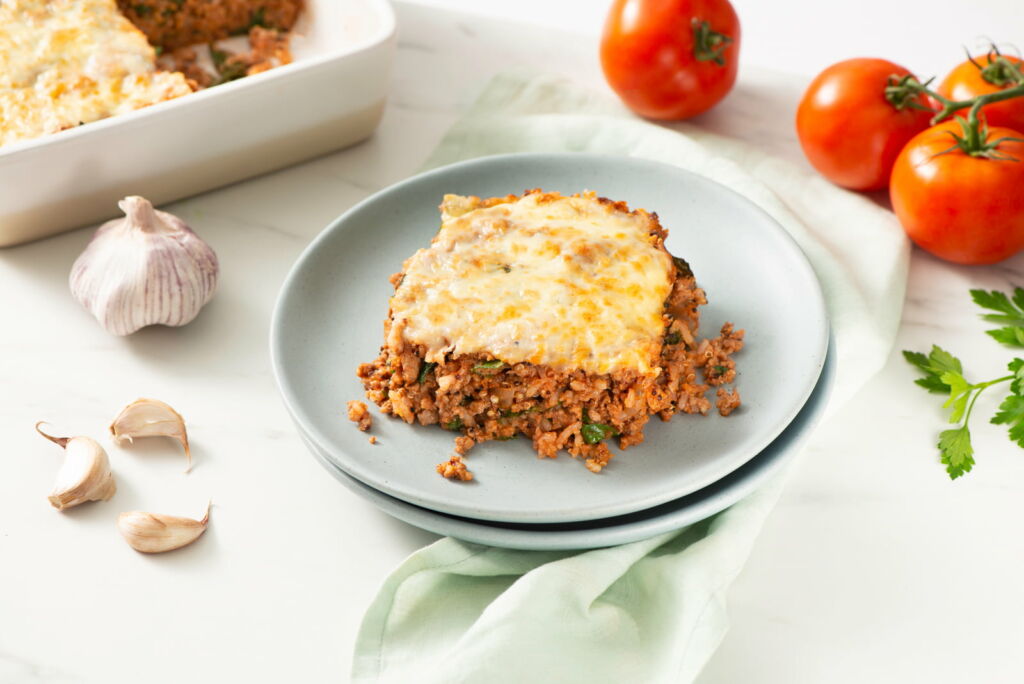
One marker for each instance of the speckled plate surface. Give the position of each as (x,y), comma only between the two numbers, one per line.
(331,308)
(622,529)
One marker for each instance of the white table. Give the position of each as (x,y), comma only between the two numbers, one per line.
(874,567)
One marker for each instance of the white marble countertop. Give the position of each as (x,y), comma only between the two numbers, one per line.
(874,567)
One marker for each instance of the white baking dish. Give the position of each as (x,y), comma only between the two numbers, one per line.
(331,96)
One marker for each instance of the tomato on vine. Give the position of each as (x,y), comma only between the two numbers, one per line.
(956,189)
(670,59)
(852,128)
(986,74)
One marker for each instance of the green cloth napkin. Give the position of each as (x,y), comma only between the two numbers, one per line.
(655,610)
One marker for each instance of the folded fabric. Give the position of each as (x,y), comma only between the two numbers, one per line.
(651,611)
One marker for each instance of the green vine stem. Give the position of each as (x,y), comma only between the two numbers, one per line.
(902,91)
(979,388)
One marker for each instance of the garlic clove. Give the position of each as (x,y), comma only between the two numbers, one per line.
(150,418)
(156,533)
(144,269)
(85,474)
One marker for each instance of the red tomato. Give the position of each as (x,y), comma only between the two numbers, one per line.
(670,59)
(848,130)
(969,80)
(965,209)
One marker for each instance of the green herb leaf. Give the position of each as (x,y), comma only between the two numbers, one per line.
(931,380)
(673,337)
(227,70)
(258,18)
(932,384)
(937,362)
(596,432)
(488,365)
(453,425)
(425,370)
(1011,413)
(1017,434)
(218,57)
(506,413)
(1011,336)
(956,451)
(142,10)
(918,359)
(998,301)
(232,72)
(1017,368)
(1010,314)
(959,392)
(942,361)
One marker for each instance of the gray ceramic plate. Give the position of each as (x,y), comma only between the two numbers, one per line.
(623,529)
(329,317)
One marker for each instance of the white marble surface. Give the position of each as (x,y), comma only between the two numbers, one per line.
(875,567)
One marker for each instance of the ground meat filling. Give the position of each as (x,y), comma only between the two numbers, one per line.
(559,410)
(454,469)
(728,400)
(359,414)
(178,23)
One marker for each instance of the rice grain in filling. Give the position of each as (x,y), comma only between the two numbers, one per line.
(561,318)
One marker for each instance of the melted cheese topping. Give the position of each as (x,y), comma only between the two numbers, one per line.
(566,282)
(68,62)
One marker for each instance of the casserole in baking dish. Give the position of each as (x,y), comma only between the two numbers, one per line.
(332,95)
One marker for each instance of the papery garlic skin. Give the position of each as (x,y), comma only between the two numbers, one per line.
(85,474)
(150,418)
(144,269)
(156,533)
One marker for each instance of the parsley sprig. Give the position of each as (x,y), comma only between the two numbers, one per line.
(943,373)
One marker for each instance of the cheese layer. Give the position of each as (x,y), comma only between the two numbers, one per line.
(68,62)
(567,282)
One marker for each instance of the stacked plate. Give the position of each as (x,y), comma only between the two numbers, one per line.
(329,318)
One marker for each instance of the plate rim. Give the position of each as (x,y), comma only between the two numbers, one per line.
(739,486)
(814,301)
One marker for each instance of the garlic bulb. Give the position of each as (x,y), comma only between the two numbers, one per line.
(85,474)
(156,533)
(144,269)
(150,418)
